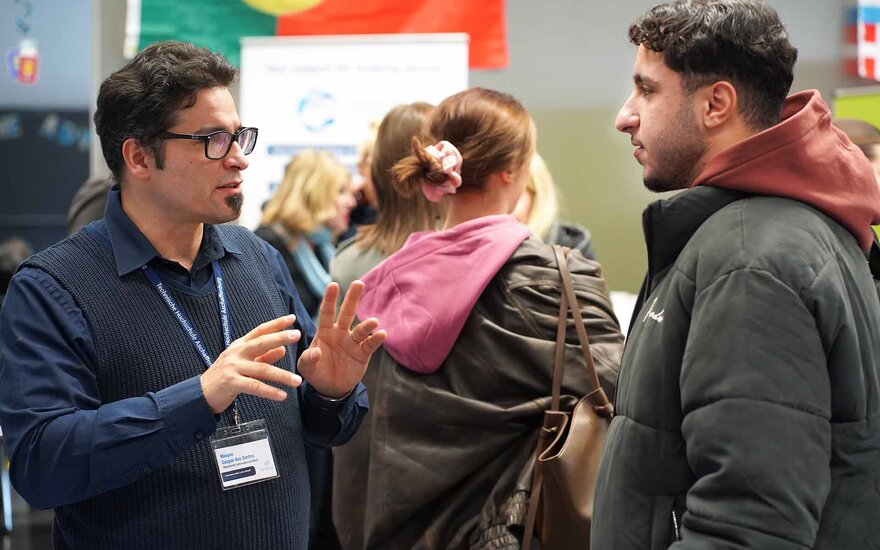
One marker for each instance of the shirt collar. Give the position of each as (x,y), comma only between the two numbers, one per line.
(132,249)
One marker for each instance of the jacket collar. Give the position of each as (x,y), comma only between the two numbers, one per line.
(670,223)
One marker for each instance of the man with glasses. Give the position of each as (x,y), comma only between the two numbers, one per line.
(145,361)
(218,144)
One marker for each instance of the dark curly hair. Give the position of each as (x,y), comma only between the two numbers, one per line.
(740,41)
(142,99)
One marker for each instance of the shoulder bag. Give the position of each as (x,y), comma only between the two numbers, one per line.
(569,444)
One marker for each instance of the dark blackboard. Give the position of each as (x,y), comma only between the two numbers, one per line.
(44,158)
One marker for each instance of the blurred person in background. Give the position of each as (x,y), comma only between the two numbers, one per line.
(364,213)
(88,203)
(308,211)
(398,217)
(865,136)
(538,208)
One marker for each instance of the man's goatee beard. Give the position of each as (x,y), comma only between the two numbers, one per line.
(235,202)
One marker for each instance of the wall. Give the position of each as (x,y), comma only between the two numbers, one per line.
(62,29)
(44,139)
(571,66)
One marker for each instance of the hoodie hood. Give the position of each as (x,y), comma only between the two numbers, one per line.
(807,159)
(424,293)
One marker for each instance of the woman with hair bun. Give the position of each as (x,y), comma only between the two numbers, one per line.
(472,311)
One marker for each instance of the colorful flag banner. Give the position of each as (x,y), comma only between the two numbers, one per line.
(220,24)
(483,21)
(217,25)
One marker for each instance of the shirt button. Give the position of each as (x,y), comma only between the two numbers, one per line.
(199,436)
(147,470)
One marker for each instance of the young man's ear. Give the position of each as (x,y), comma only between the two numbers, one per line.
(720,104)
(138,158)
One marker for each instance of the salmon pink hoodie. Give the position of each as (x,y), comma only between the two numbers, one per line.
(807,159)
(426,290)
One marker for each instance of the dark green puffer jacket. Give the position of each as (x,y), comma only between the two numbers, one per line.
(748,408)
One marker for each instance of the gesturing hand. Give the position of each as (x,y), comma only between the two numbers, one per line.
(242,366)
(338,356)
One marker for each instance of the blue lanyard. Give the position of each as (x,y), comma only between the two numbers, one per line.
(188,327)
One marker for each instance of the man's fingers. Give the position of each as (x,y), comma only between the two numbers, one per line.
(254,387)
(327,313)
(270,373)
(308,360)
(363,329)
(372,343)
(348,309)
(269,327)
(272,355)
(267,342)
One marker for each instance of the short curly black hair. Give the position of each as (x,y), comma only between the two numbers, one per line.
(142,99)
(740,41)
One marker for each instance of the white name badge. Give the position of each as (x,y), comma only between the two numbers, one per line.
(243,454)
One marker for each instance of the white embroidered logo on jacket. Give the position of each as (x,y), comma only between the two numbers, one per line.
(658,316)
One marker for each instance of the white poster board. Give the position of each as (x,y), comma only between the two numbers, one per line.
(322,92)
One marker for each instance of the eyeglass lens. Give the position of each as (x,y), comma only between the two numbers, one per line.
(220,143)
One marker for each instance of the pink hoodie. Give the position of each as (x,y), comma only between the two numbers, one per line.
(805,158)
(425,292)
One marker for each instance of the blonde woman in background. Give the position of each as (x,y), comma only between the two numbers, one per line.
(302,220)
(538,208)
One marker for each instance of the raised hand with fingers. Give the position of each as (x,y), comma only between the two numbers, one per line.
(246,363)
(338,356)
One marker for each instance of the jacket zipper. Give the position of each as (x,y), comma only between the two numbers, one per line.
(675,526)
(640,303)
(647,283)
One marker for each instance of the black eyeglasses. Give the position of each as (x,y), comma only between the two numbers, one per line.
(218,144)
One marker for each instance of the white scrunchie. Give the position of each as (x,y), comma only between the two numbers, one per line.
(450,160)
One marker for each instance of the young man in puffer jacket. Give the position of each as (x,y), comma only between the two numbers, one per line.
(748,405)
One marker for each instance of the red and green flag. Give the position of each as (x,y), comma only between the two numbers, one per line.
(220,24)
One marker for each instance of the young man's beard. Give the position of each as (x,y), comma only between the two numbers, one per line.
(675,159)
(235,202)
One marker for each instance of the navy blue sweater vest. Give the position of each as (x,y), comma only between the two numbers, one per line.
(141,348)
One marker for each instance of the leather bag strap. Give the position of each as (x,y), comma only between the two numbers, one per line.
(561,326)
(568,287)
(534,497)
(567,300)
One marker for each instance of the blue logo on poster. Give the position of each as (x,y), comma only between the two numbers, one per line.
(317,110)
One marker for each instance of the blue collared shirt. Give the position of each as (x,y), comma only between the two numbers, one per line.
(58,432)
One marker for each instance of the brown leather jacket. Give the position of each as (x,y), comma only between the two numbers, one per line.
(449,452)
